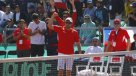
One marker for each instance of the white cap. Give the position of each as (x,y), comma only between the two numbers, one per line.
(69,19)
(89,1)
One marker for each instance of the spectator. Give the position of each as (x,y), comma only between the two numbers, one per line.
(67,36)
(9,31)
(2,5)
(94,48)
(22,37)
(66,14)
(12,3)
(30,13)
(133,47)
(128,8)
(37,38)
(85,33)
(18,14)
(101,14)
(132,15)
(32,3)
(1,20)
(8,13)
(40,10)
(51,41)
(118,37)
(120,41)
(90,9)
(116,9)
(80,5)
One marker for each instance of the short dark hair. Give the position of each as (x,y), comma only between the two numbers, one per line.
(134,34)
(21,20)
(35,16)
(47,19)
(66,12)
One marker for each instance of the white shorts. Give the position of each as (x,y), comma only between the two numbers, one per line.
(65,61)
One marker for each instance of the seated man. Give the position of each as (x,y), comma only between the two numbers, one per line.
(93,48)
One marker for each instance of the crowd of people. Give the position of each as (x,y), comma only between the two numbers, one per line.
(34,24)
(90,17)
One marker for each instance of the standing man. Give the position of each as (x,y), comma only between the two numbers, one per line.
(67,36)
(118,37)
(120,41)
(37,38)
(22,37)
(51,41)
(94,47)
(133,47)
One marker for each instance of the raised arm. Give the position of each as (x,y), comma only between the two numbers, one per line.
(74,15)
(51,21)
(59,20)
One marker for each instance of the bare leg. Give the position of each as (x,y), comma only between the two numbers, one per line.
(60,72)
(68,72)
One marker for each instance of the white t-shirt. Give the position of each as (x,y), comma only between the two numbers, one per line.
(37,38)
(93,49)
(1,16)
(8,16)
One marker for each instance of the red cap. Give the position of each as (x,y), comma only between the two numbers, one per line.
(117,21)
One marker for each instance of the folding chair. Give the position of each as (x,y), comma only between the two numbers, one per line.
(115,64)
(11,52)
(133,72)
(133,67)
(3,53)
(94,69)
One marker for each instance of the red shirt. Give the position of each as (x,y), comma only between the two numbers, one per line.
(22,43)
(61,5)
(66,39)
(119,40)
(1,39)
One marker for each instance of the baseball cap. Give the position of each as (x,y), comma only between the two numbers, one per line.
(89,1)
(133,4)
(87,16)
(116,21)
(69,19)
(21,20)
(95,38)
(9,20)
